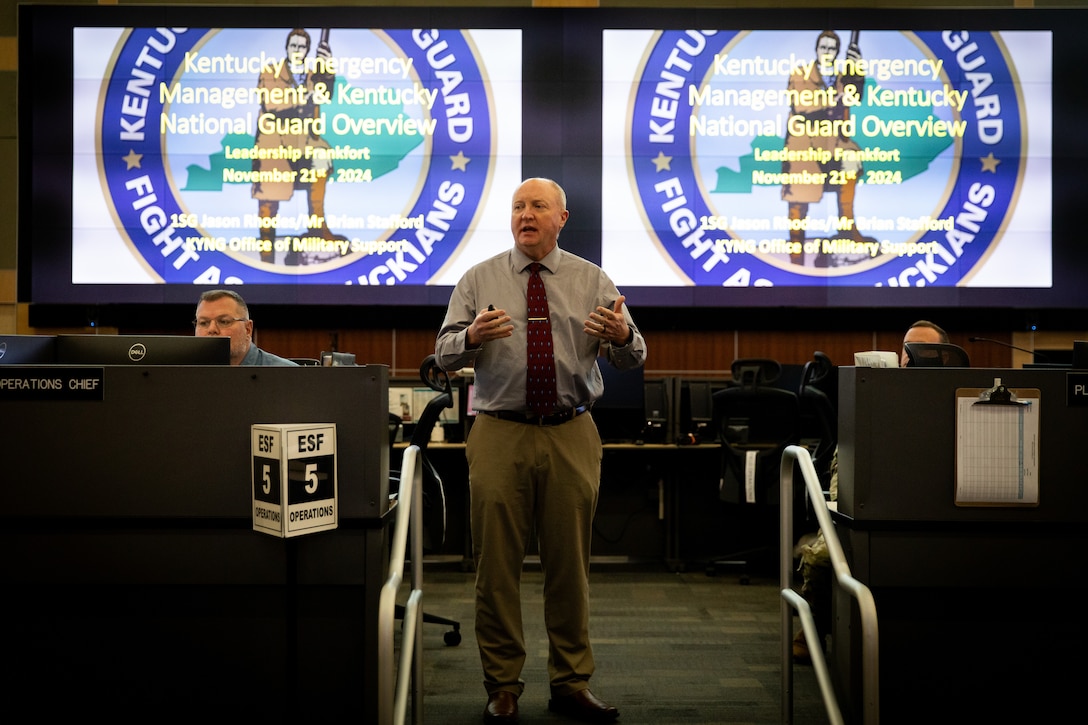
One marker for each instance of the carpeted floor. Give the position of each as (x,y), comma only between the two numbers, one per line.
(670,648)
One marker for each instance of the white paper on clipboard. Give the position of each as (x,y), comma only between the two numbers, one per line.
(997,449)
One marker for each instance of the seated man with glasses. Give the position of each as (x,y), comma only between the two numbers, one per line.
(223,312)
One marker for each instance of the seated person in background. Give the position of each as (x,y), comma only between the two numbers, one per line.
(921,331)
(224,312)
(815,566)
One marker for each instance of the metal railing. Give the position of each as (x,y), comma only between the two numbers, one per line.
(870,685)
(394,682)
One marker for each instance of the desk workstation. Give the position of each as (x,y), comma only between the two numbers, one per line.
(977,590)
(136,582)
(660,471)
(642,501)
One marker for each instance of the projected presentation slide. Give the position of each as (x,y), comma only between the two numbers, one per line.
(840,158)
(336,156)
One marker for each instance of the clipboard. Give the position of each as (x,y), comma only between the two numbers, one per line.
(997,446)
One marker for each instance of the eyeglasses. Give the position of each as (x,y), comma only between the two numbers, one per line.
(221,322)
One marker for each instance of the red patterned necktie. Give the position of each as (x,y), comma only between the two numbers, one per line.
(540,361)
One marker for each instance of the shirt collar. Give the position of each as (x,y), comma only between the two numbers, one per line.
(550,261)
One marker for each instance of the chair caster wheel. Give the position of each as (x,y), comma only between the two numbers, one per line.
(452,638)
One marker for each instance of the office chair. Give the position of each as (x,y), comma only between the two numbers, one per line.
(936,355)
(434,497)
(755,421)
(395,424)
(817,397)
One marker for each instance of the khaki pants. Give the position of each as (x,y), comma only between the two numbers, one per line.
(524,478)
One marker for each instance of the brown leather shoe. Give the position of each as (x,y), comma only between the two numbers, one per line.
(585,706)
(502,706)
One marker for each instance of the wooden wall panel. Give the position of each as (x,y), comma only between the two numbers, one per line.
(688,352)
(290,343)
(412,346)
(370,347)
(797,348)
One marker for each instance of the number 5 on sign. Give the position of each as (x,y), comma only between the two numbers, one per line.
(294,478)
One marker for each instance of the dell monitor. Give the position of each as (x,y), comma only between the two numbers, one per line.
(142,350)
(28,349)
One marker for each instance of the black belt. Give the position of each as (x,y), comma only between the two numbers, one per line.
(557,418)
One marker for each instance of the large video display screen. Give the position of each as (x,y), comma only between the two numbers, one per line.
(847,158)
(318,156)
(367,156)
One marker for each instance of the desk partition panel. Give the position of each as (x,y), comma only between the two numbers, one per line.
(126,541)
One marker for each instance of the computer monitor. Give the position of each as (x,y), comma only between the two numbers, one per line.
(697,409)
(1043,358)
(620,412)
(142,350)
(1080,354)
(336,359)
(408,402)
(659,411)
(401,402)
(470,400)
(28,349)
